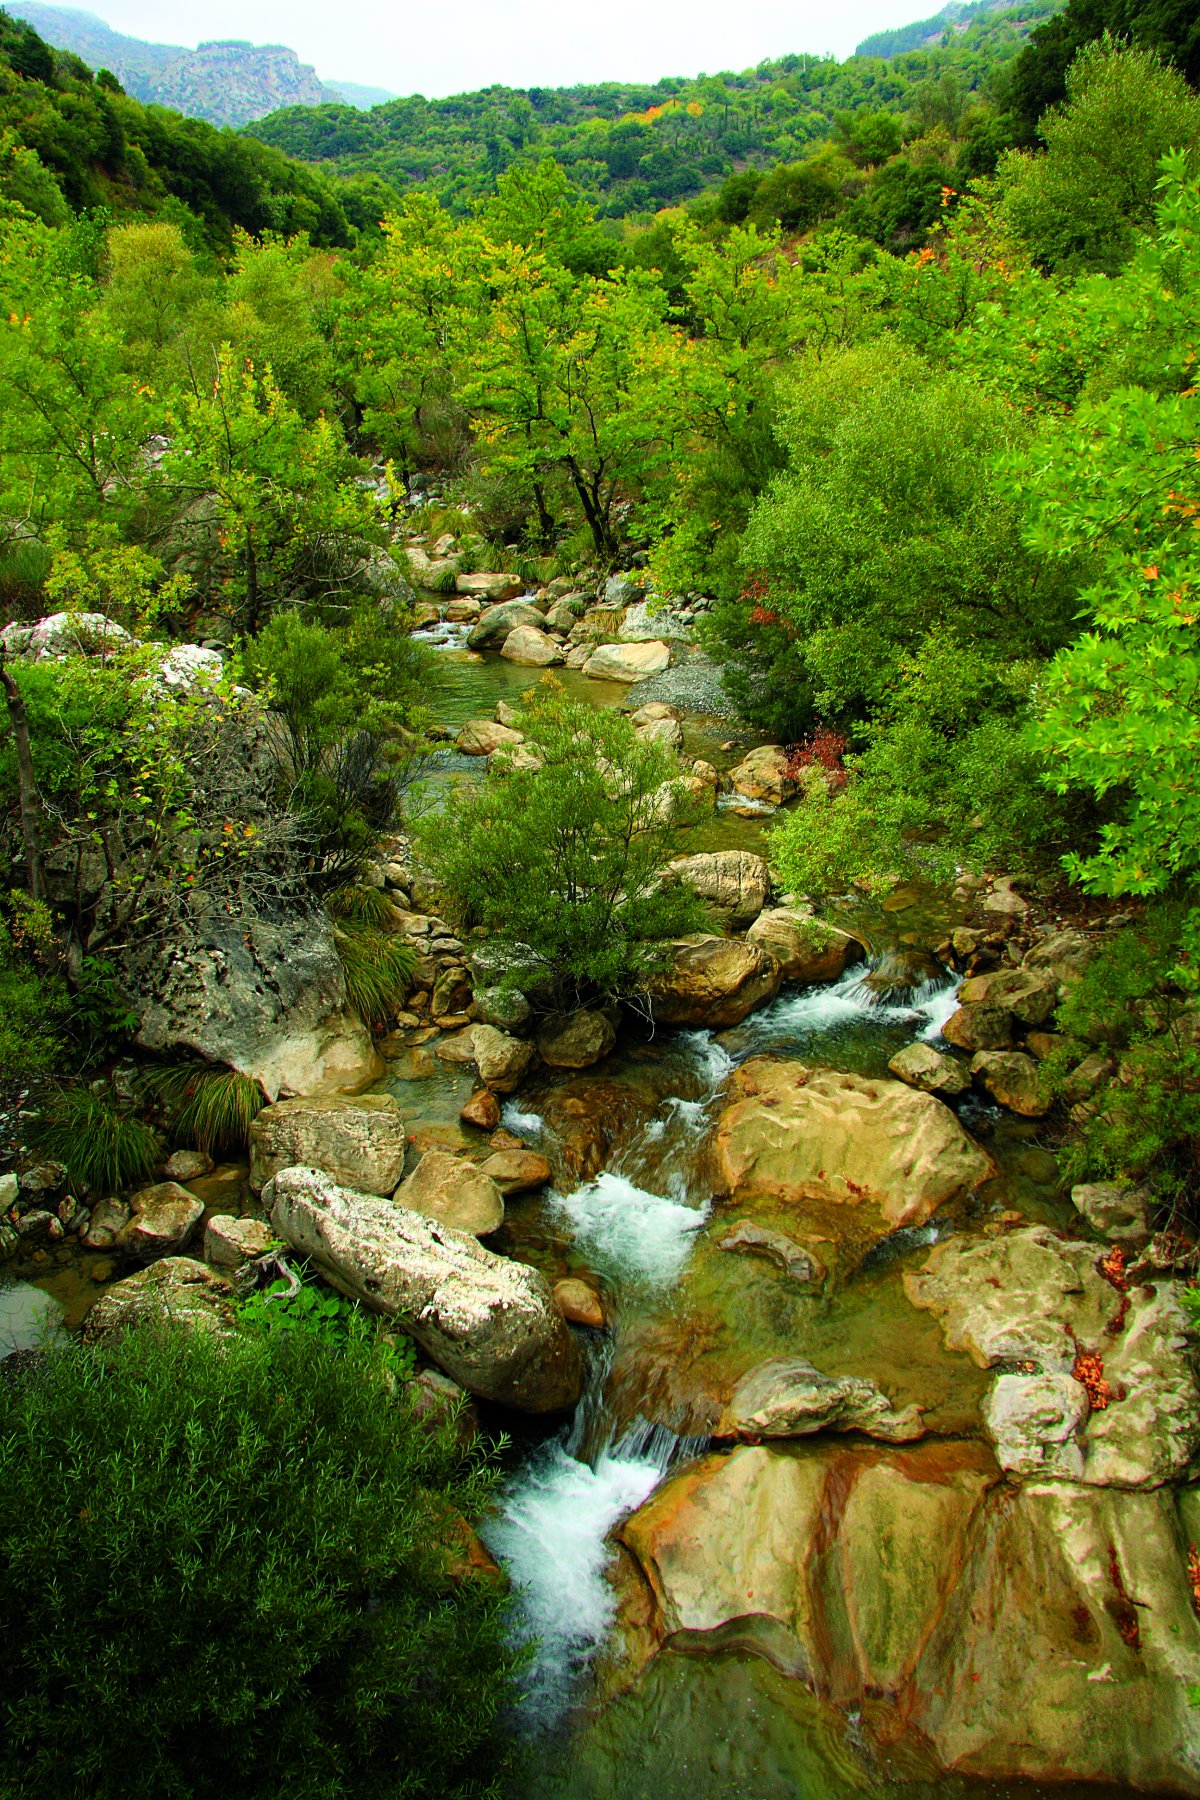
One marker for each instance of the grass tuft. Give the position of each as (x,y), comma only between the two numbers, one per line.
(100,1144)
(378,971)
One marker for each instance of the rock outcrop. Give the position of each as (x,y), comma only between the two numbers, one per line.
(713,981)
(489,1323)
(359,1142)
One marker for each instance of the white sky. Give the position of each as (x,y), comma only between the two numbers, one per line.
(449,48)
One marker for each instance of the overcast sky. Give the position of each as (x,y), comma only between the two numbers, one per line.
(446,48)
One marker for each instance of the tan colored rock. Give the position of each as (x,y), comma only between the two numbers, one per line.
(627,662)
(482,1110)
(530,648)
(161,1220)
(668,732)
(714,982)
(457,1047)
(576,1040)
(360,1142)
(979,1028)
(787,1397)
(1035,1421)
(488,1322)
(921,1066)
(109,1218)
(454,1192)
(1118,1210)
(188,1165)
(495,623)
(1013,1080)
(229,1242)
(517,1171)
(735,883)
(798,1133)
(496,586)
(501,1060)
(176,1290)
(1030,995)
(763,775)
(807,949)
(463,611)
(479,737)
(579,1303)
(752,1239)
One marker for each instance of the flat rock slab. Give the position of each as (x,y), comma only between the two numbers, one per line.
(360,1142)
(489,1323)
(454,1192)
(787,1397)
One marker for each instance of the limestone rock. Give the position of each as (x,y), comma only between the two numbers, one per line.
(161,1220)
(501,1060)
(1116,1209)
(176,1290)
(109,1218)
(735,883)
(1034,1422)
(481,1110)
(496,622)
(517,1171)
(921,1066)
(763,775)
(788,1397)
(360,1142)
(229,1242)
(479,737)
(489,1323)
(530,647)
(797,1133)
(576,1040)
(760,1240)
(627,662)
(806,948)
(66,634)
(1013,1080)
(642,624)
(979,1027)
(579,1303)
(454,1192)
(714,982)
(662,731)
(188,1165)
(490,585)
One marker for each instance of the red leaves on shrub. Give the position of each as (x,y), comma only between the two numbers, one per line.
(826,750)
(1089,1373)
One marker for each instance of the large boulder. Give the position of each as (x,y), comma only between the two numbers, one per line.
(1044,1633)
(454,1192)
(806,948)
(490,1323)
(1030,995)
(627,662)
(480,737)
(177,1290)
(161,1220)
(765,774)
(576,1040)
(65,634)
(264,996)
(496,622)
(501,1060)
(795,1133)
(495,585)
(735,883)
(788,1398)
(645,623)
(921,1066)
(713,981)
(516,1171)
(360,1142)
(530,647)
(1044,1303)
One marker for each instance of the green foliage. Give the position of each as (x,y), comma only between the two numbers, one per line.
(378,970)
(210,1108)
(359,905)
(1038,77)
(101,1143)
(316,1310)
(230,1567)
(33,1002)
(563,860)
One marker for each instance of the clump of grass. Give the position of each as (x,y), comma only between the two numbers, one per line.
(441,582)
(210,1108)
(359,906)
(100,1143)
(378,971)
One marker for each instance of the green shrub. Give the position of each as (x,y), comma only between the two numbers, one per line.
(227,1569)
(32,1005)
(317,1310)
(99,1141)
(378,971)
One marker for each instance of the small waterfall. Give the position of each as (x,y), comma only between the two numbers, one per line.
(628,1233)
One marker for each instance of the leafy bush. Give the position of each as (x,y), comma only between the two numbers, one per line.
(237,1567)
(317,1310)
(210,1108)
(101,1143)
(378,971)
(563,859)
(33,1003)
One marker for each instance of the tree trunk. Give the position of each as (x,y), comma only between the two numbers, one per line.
(27,787)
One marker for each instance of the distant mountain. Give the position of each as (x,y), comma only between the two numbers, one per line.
(227,83)
(954,17)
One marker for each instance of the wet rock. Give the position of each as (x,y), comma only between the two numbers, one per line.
(188,1165)
(714,982)
(517,1171)
(496,622)
(360,1142)
(1116,1209)
(490,1323)
(806,948)
(903,972)
(765,775)
(576,1040)
(229,1242)
(797,1133)
(788,1397)
(979,1027)
(177,1290)
(921,1066)
(1030,995)
(463,611)
(457,1047)
(494,585)
(482,1110)
(589,1119)
(1040,1301)
(1013,1080)
(161,1220)
(579,1303)
(501,1060)
(109,1218)
(454,1192)
(627,662)
(735,883)
(793,1259)
(1034,1421)
(480,737)
(452,993)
